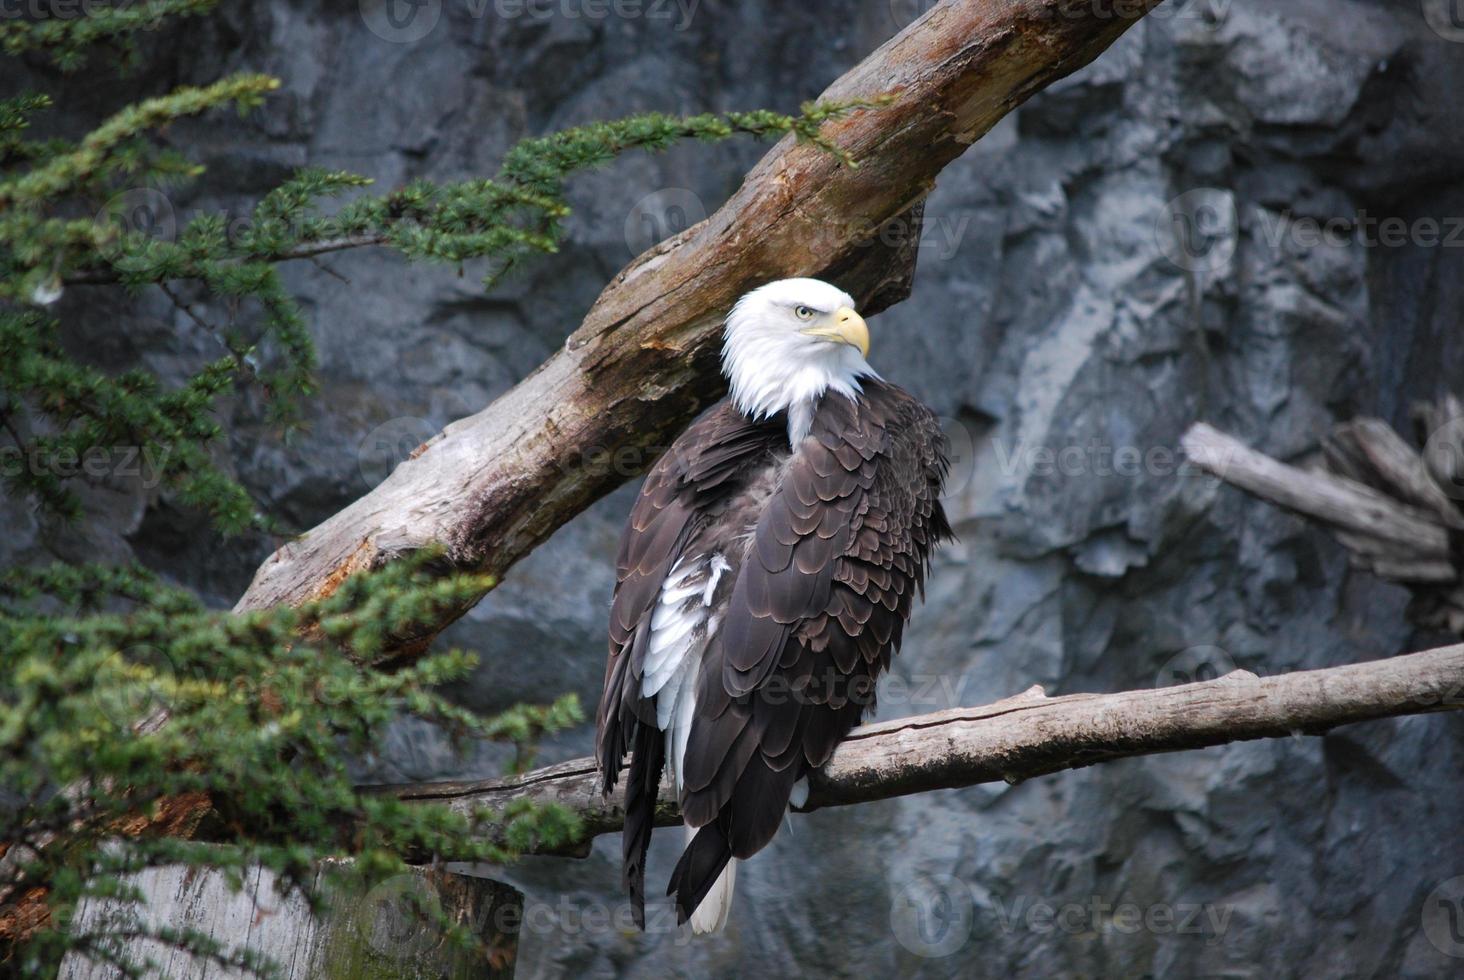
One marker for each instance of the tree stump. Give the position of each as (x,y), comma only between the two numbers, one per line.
(376,935)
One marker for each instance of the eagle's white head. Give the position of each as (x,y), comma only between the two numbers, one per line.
(787,344)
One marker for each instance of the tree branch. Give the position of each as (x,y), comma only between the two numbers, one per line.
(1396,509)
(1034,735)
(492,486)
(304,250)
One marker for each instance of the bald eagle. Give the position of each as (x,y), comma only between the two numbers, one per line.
(764,580)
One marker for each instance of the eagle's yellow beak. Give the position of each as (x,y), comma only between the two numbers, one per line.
(843,326)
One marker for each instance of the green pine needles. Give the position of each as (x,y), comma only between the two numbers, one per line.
(121,729)
(138,728)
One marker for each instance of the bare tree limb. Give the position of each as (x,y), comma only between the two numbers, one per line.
(1034,735)
(1396,509)
(492,486)
(1338,501)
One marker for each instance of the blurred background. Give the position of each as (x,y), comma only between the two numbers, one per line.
(1129,252)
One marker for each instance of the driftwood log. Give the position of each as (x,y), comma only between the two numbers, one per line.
(1034,735)
(1396,508)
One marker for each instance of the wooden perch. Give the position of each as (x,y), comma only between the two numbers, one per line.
(642,364)
(1395,508)
(1033,735)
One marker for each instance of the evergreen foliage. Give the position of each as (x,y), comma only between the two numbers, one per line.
(263,712)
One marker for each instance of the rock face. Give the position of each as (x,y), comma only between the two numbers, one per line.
(1247,213)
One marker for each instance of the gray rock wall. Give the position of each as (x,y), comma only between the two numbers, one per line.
(1135,249)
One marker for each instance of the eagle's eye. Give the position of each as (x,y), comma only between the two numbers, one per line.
(803,313)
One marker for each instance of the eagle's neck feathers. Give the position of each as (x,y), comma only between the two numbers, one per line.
(764,384)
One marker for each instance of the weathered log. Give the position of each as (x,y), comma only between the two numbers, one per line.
(1395,508)
(492,486)
(1033,735)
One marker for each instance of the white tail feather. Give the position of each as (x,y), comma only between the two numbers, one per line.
(711,914)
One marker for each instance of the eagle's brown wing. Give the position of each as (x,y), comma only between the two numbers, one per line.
(817,611)
(704,466)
